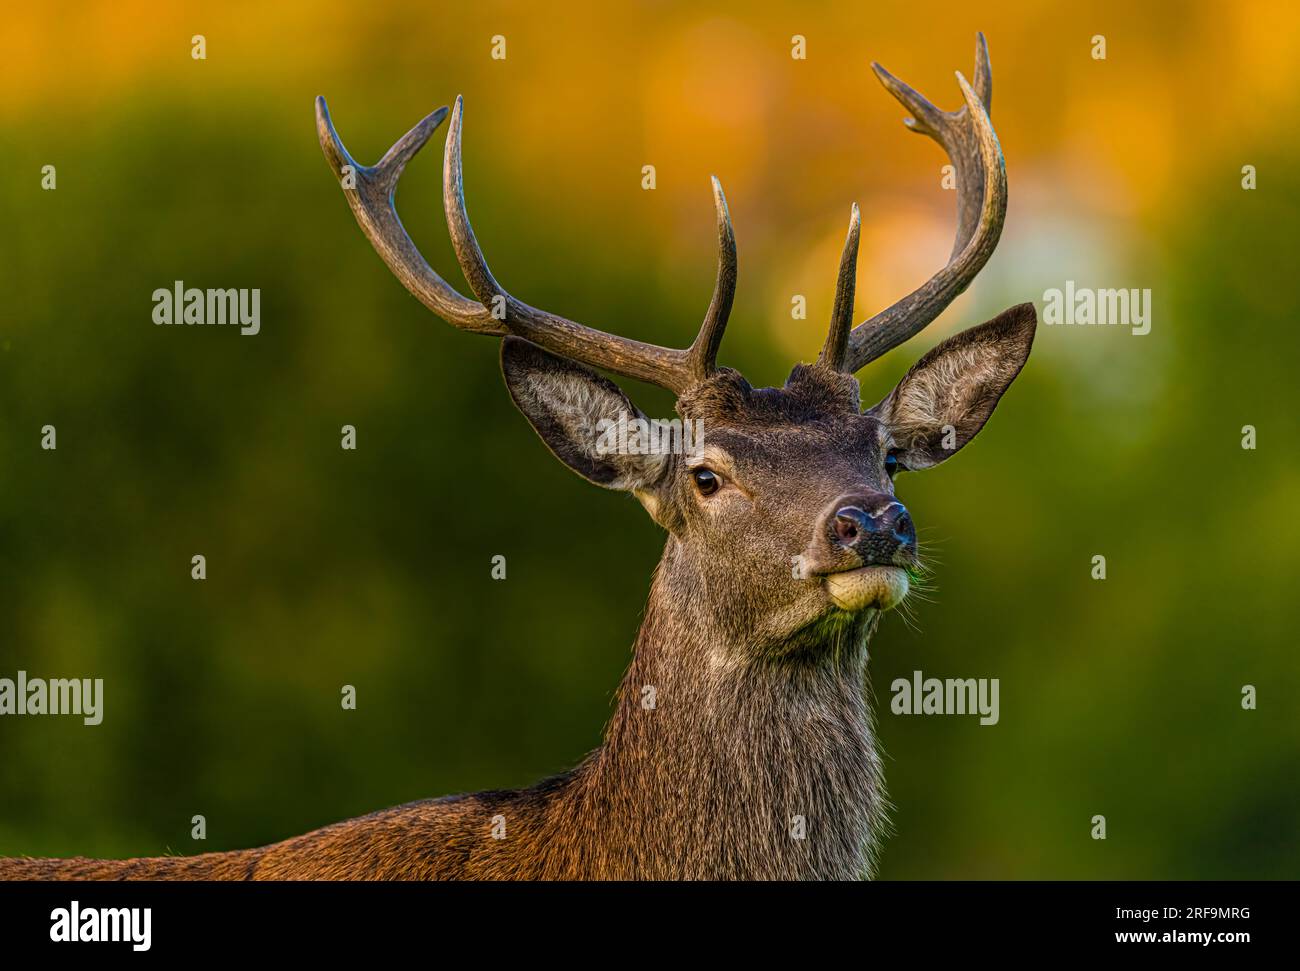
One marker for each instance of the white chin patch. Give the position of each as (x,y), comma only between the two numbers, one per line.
(881,587)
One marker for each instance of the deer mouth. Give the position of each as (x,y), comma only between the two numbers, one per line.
(881,587)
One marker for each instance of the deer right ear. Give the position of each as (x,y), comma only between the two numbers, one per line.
(577,414)
(944,400)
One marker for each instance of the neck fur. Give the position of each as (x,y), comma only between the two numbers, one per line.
(724,763)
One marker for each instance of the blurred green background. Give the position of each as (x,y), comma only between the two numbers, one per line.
(371,568)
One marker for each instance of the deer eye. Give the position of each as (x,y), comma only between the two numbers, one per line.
(891,465)
(706,480)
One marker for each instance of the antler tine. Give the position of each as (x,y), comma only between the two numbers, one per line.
(676,370)
(837,338)
(926,118)
(967,136)
(983,73)
(369,191)
(703,352)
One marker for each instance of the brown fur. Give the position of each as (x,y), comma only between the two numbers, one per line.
(760,711)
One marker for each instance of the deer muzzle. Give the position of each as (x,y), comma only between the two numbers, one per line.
(861,549)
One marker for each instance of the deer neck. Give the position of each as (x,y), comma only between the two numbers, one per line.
(719,763)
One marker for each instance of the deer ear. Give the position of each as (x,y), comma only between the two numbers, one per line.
(577,412)
(949,394)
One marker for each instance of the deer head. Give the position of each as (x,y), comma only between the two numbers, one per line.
(786,540)
(788,516)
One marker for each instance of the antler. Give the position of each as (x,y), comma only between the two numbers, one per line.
(967,136)
(837,339)
(370,194)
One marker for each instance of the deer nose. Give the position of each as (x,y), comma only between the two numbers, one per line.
(874,527)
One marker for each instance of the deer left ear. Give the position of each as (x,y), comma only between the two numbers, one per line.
(577,413)
(948,395)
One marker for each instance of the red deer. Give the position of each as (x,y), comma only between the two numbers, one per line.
(741,745)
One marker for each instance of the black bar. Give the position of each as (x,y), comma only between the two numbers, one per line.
(441,920)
